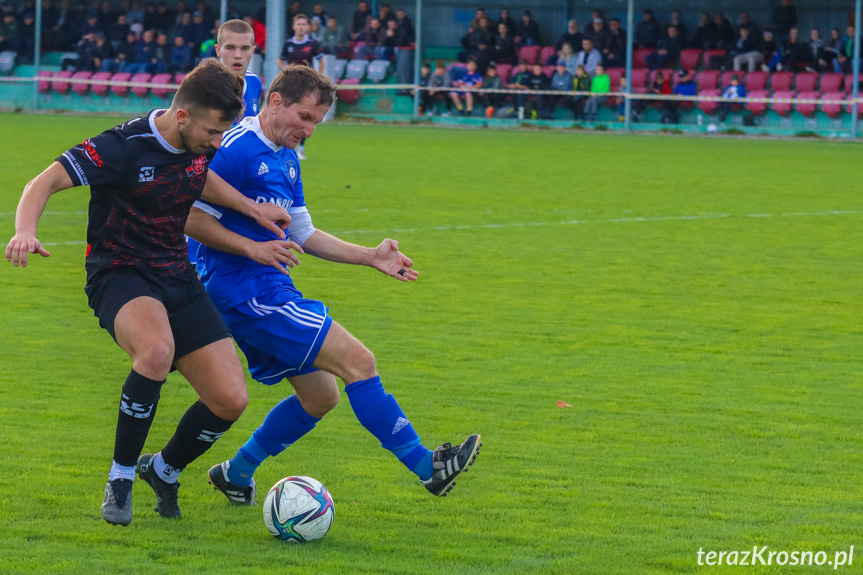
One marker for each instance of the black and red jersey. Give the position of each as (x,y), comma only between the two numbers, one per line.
(304,53)
(141,191)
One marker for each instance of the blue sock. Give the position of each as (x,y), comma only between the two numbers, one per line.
(379,412)
(284,425)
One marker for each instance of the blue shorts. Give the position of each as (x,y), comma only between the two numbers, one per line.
(279,332)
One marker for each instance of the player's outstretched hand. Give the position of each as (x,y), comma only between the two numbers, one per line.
(277,254)
(389,260)
(21,245)
(274,218)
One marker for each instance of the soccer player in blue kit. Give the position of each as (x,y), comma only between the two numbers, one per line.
(283,334)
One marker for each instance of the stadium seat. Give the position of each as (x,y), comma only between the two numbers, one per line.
(456,71)
(45,84)
(60,81)
(806,81)
(831,82)
(639,57)
(79,87)
(7,61)
(504,70)
(121,77)
(859,107)
(546,53)
(782,108)
(529,53)
(668,73)
(639,78)
(831,109)
(356,70)
(755,81)
(377,71)
(808,109)
(709,107)
(548,71)
(707,80)
(757,108)
(705,59)
(849,83)
(355,49)
(349,96)
(689,58)
(336,68)
(781,81)
(675,79)
(141,91)
(162,79)
(178,78)
(615,74)
(99,87)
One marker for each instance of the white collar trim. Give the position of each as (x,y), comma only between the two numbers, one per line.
(152,120)
(253,123)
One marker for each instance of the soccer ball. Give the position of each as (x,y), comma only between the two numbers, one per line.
(298,509)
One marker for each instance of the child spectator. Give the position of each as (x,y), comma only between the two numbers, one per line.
(734,90)
(472,79)
(534,80)
(620,102)
(561,81)
(600,85)
(581,83)
(426,100)
(440,79)
(659,86)
(492,81)
(685,87)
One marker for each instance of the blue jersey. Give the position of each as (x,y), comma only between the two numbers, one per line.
(264,172)
(252,89)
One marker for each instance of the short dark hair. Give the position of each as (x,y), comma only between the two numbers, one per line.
(211,86)
(299,16)
(295,82)
(235,26)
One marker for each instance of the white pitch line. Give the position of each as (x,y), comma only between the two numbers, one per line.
(684,218)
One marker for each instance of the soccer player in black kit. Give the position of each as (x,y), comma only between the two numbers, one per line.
(144,176)
(303,50)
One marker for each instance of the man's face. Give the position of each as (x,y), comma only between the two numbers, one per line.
(793,35)
(162,40)
(331,24)
(318,9)
(400,15)
(203,131)
(586,45)
(363,7)
(374,24)
(814,34)
(572,27)
(672,32)
(501,29)
(301,27)
(537,69)
(744,18)
(187,19)
(614,25)
(647,17)
(179,41)
(526,19)
(290,124)
(148,36)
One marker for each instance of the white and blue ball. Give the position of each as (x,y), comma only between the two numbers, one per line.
(298,509)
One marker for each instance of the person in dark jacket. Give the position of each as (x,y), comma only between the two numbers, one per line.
(667,50)
(647,32)
(572,36)
(527,31)
(506,19)
(796,55)
(724,32)
(359,21)
(504,45)
(784,19)
(707,34)
(614,49)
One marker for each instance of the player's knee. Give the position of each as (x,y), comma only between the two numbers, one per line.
(231,404)
(153,359)
(329,401)
(363,365)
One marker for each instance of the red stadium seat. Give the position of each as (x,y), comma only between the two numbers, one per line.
(755,81)
(546,53)
(639,56)
(806,81)
(141,91)
(709,107)
(639,78)
(705,60)
(529,53)
(849,83)
(707,80)
(808,109)
(162,79)
(44,83)
(725,78)
(355,49)
(675,79)
(79,87)
(667,73)
(548,71)
(833,110)
(60,82)
(831,82)
(757,108)
(689,58)
(859,108)
(349,96)
(781,81)
(504,70)
(782,108)
(615,74)
(121,77)
(99,87)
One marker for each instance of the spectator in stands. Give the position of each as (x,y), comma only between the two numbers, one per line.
(784,19)
(816,47)
(385,15)
(359,21)
(581,83)
(124,55)
(440,79)
(118,29)
(426,100)
(647,32)
(600,86)
(151,19)
(707,34)
(733,91)
(571,36)
(724,32)
(685,87)
(92,25)
(677,21)
(746,22)
(567,57)
(483,57)
(561,81)
(334,41)
(84,60)
(295,10)
(27,36)
(135,14)
(492,81)
(64,32)
(320,15)
(594,14)
(144,50)
(507,20)
(9,32)
(406,32)
(843,62)
(477,18)
(107,16)
(471,80)
(597,33)
(182,28)
(614,49)
(659,86)
(534,103)
(504,45)
(182,60)
(161,55)
(527,31)
(831,52)
(746,51)
(103,52)
(620,102)
(770,51)
(667,50)
(260,32)
(518,80)
(795,54)
(199,32)
(374,35)
(589,57)
(475,38)
(164,17)
(315,32)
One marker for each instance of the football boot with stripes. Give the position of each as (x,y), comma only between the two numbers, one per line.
(237,494)
(117,506)
(449,462)
(166,493)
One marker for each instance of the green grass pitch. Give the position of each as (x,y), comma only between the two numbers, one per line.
(697,301)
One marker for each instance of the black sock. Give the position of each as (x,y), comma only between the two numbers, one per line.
(137,410)
(197,432)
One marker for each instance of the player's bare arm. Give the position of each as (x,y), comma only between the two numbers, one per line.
(30,208)
(206,229)
(386,258)
(272,217)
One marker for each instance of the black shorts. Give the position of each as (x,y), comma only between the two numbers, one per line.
(195,321)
